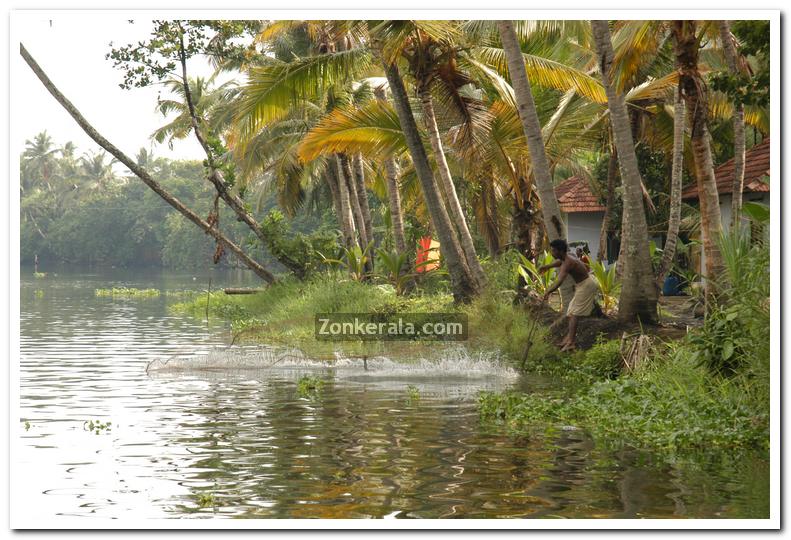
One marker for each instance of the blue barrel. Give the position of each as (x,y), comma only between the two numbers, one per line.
(670,287)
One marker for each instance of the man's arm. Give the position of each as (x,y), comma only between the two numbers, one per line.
(561,277)
(545,267)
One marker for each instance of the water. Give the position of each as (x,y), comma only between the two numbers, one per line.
(391,442)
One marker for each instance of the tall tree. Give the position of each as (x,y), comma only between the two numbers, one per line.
(687,41)
(638,293)
(205,225)
(464,284)
(674,219)
(732,58)
(553,222)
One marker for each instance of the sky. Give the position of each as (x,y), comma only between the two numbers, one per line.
(71,49)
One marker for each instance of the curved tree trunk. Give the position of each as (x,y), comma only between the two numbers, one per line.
(553,221)
(674,220)
(141,173)
(362,194)
(449,189)
(612,176)
(354,198)
(347,220)
(638,294)
(394,203)
(464,285)
(732,57)
(693,90)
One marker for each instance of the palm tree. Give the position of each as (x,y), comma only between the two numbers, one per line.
(555,228)
(638,293)
(674,219)
(687,47)
(39,162)
(732,57)
(96,170)
(465,286)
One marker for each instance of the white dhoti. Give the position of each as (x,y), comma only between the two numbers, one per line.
(584,297)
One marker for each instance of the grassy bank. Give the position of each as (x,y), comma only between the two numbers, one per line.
(681,398)
(284,314)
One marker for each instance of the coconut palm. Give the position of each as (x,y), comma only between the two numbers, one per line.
(39,163)
(638,294)
(687,38)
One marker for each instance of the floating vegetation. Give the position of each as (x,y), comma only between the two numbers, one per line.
(413,394)
(127,292)
(96,426)
(39,275)
(309,386)
(206,500)
(38,293)
(27,425)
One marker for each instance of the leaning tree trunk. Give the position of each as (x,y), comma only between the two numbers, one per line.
(393,194)
(362,194)
(693,90)
(394,204)
(612,176)
(674,220)
(354,198)
(732,57)
(141,173)
(449,189)
(638,292)
(464,285)
(553,222)
(347,219)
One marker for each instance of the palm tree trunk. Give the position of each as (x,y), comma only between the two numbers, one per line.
(362,195)
(141,173)
(693,90)
(394,204)
(464,285)
(449,189)
(638,293)
(553,222)
(674,220)
(354,198)
(612,176)
(731,56)
(347,220)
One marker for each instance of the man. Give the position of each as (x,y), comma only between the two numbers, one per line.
(584,291)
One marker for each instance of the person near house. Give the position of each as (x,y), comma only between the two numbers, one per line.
(584,291)
(584,258)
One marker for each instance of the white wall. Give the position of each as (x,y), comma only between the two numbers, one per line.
(585,226)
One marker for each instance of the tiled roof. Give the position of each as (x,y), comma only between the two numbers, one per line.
(574,195)
(756,166)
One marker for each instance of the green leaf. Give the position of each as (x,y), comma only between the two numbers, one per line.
(727,350)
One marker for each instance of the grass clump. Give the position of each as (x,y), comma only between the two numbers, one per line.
(127,292)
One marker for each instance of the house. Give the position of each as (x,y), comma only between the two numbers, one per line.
(581,211)
(756,181)
(756,188)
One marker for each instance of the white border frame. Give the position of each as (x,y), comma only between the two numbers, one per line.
(15,145)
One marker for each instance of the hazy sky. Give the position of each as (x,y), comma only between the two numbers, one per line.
(71,50)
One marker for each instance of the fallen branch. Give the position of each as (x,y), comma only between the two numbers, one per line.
(141,173)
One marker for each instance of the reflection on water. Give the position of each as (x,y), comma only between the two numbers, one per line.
(245,443)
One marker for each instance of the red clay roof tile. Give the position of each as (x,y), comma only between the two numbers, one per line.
(756,166)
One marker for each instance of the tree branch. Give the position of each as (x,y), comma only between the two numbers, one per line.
(141,173)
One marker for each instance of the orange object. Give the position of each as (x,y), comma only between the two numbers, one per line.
(427,256)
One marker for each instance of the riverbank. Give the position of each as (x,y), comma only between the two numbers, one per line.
(669,401)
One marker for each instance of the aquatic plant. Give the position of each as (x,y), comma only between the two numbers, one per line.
(309,386)
(127,292)
(97,426)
